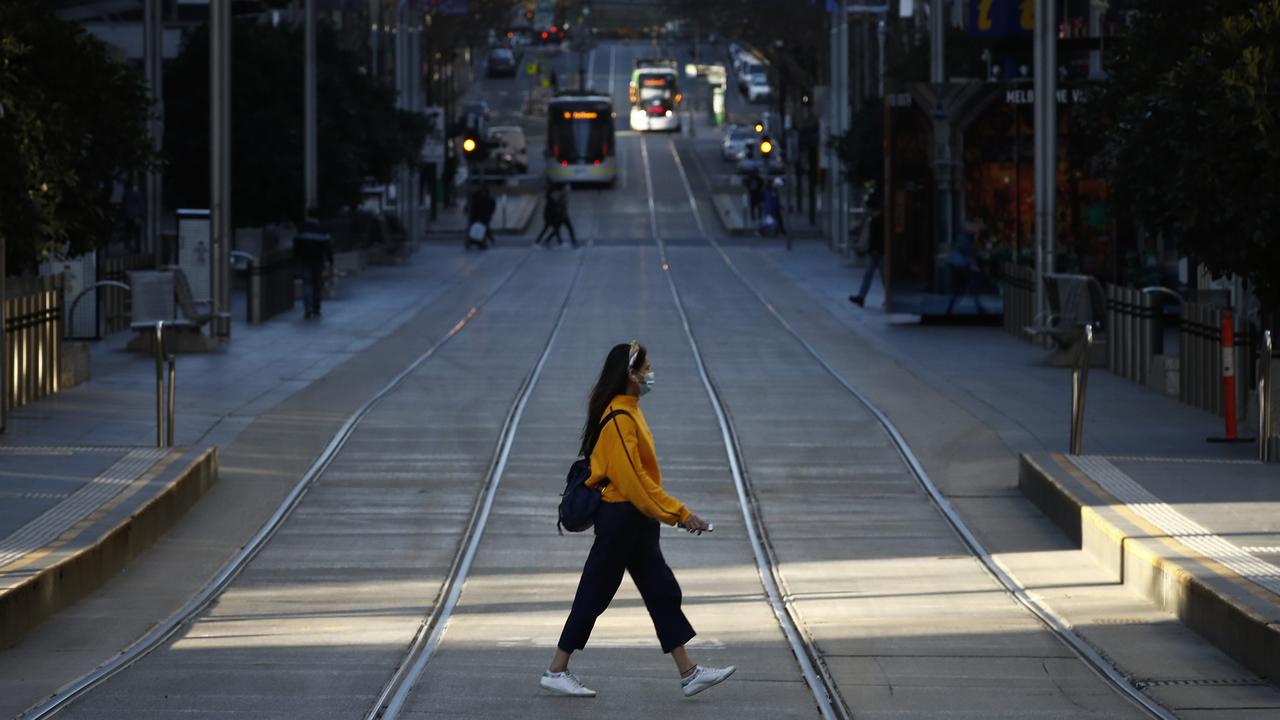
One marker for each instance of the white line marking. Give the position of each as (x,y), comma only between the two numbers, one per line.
(1175,524)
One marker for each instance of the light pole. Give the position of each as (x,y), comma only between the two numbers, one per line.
(220,164)
(309,151)
(1046,148)
(153,64)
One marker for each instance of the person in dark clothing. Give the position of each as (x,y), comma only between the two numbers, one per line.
(313,248)
(562,202)
(480,209)
(755,193)
(875,251)
(551,218)
(964,266)
(773,200)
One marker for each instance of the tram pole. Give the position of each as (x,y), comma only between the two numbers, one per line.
(1046,147)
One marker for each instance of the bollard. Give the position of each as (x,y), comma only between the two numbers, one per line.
(1079,384)
(159,353)
(1229,382)
(1264,400)
(173,407)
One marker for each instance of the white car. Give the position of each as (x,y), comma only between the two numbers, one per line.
(733,147)
(511,149)
(757,84)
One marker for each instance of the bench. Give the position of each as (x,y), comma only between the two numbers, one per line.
(165,296)
(1074,301)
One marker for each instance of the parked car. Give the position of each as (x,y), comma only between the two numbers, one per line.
(757,84)
(511,149)
(501,62)
(733,146)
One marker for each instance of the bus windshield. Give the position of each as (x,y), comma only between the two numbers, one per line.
(579,132)
(655,85)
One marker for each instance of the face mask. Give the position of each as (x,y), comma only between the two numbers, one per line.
(646,383)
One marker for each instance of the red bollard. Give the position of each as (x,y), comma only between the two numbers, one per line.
(1229,380)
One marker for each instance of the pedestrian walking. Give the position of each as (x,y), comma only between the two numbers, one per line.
(773,204)
(963,260)
(551,218)
(313,248)
(872,241)
(480,209)
(562,200)
(633,503)
(755,193)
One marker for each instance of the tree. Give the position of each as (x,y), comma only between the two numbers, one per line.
(72,122)
(361,135)
(1193,140)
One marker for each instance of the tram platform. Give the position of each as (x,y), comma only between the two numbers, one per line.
(1190,526)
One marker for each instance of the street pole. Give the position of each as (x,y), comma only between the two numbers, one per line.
(153,66)
(937,42)
(942,158)
(220,165)
(842,127)
(309,153)
(1046,144)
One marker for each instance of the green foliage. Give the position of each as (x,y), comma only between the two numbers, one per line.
(1192,143)
(861,150)
(74,120)
(360,133)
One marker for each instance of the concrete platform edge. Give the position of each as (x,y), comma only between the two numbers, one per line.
(122,533)
(1225,621)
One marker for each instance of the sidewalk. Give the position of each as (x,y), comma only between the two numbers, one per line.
(84,487)
(1191,526)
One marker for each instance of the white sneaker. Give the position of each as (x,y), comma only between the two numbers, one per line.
(565,683)
(705,677)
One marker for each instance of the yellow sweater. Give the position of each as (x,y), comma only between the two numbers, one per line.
(641,486)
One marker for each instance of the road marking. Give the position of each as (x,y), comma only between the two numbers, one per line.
(1176,525)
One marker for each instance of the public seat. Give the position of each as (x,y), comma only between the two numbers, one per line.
(165,296)
(1074,301)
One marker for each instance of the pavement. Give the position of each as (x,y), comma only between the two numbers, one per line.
(76,468)
(1189,525)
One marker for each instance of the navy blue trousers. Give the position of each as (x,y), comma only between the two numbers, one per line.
(626,540)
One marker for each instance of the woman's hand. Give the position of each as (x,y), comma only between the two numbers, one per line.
(696,525)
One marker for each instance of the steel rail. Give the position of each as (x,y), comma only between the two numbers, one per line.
(391,700)
(1055,623)
(162,632)
(816,676)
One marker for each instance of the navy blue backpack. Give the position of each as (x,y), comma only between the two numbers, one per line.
(578,503)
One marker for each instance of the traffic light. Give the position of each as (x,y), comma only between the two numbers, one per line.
(470,145)
(759,127)
(766,147)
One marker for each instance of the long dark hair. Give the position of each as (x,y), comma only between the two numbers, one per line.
(611,383)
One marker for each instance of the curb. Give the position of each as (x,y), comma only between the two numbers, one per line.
(87,555)
(1241,619)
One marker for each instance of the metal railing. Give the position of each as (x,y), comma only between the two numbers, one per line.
(1200,356)
(32,339)
(1134,334)
(1265,390)
(165,410)
(1079,385)
(71,309)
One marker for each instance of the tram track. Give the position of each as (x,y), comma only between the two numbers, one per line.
(391,700)
(830,702)
(165,631)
